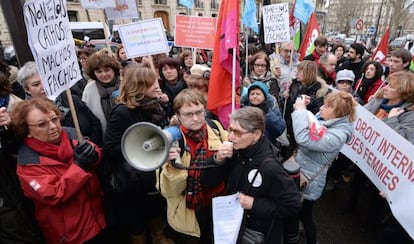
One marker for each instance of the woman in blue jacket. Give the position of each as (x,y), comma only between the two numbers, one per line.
(258,96)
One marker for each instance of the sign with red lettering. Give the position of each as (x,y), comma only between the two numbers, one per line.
(125,9)
(388,160)
(144,38)
(52,46)
(196,32)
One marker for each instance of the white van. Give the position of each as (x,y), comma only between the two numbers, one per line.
(93,30)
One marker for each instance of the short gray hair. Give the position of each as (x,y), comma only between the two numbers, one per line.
(249,118)
(28,70)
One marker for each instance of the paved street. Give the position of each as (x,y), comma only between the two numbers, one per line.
(334,227)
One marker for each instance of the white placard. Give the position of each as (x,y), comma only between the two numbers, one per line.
(144,38)
(97,4)
(276,23)
(388,160)
(52,45)
(125,9)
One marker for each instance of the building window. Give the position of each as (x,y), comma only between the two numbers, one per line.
(199,4)
(214,4)
(214,15)
(200,14)
(181,13)
(164,2)
(73,16)
(139,2)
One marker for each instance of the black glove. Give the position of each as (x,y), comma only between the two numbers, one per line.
(85,155)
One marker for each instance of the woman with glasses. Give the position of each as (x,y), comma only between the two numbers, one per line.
(189,209)
(57,172)
(273,195)
(259,67)
(394,105)
(133,205)
(89,124)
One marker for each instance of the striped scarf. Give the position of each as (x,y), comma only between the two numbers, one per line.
(194,192)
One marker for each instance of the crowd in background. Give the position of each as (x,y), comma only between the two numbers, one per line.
(56,187)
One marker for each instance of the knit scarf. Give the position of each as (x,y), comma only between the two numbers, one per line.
(364,87)
(384,109)
(62,152)
(105,92)
(330,77)
(198,158)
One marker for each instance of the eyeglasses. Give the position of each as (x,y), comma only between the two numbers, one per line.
(236,132)
(260,65)
(46,124)
(344,81)
(190,115)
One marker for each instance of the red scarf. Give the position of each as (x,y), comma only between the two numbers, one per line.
(62,152)
(316,55)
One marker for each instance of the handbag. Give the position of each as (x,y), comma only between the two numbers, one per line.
(304,181)
(247,235)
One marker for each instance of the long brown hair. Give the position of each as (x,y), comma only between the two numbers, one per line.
(138,78)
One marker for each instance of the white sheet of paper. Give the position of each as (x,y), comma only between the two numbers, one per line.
(227,218)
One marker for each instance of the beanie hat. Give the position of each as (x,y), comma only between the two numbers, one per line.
(198,69)
(262,86)
(345,74)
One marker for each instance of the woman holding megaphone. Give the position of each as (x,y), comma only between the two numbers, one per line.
(189,210)
(133,205)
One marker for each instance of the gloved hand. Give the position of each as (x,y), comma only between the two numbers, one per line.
(85,155)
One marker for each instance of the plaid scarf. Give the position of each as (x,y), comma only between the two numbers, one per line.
(198,158)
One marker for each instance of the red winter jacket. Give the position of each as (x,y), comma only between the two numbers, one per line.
(68,200)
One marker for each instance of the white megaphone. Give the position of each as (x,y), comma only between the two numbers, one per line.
(146,146)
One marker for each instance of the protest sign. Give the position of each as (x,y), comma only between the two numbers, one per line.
(125,9)
(197,32)
(144,38)
(388,160)
(96,4)
(276,23)
(52,45)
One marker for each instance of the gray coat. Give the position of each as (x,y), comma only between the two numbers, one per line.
(403,124)
(312,156)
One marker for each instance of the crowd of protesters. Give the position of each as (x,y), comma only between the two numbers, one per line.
(58,188)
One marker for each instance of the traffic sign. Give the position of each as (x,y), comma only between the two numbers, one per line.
(359,24)
(371,29)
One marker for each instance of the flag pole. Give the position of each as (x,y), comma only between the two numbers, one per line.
(233,82)
(247,53)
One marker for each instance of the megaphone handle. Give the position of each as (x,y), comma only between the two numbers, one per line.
(177,161)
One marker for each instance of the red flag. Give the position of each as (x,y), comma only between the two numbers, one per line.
(227,37)
(380,53)
(312,32)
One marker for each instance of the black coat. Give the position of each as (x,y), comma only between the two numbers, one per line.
(126,200)
(89,124)
(276,197)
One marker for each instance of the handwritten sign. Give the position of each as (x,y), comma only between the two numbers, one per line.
(144,38)
(388,160)
(197,32)
(125,9)
(276,23)
(97,4)
(52,45)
